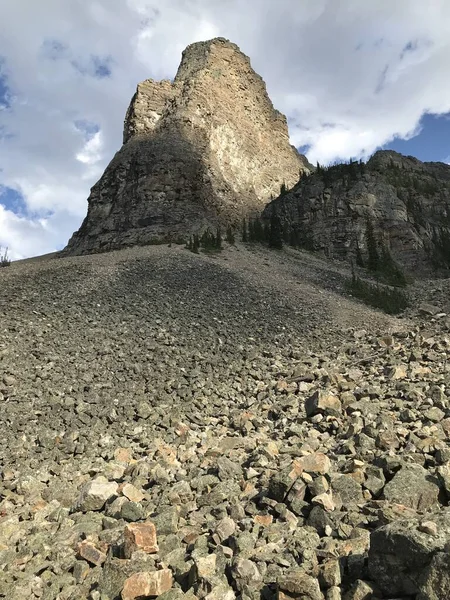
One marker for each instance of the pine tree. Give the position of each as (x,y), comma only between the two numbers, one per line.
(359,256)
(195,244)
(258,231)
(283,188)
(373,258)
(218,240)
(230,235)
(294,237)
(244,231)
(276,232)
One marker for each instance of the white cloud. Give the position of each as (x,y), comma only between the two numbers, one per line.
(350,76)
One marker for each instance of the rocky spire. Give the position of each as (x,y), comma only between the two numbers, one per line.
(201,151)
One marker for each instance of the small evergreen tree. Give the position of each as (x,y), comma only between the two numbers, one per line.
(230,235)
(283,188)
(218,240)
(195,244)
(372,251)
(251,231)
(4,259)
(244,231)
(276,232)
(258,230)
(359,256)
(294,240)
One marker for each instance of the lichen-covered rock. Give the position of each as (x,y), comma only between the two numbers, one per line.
(201,151)
(401,555)
(413,486)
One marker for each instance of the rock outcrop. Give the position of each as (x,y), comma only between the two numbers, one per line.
(407,201)
(201,151)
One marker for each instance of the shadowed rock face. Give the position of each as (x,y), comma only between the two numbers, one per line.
(203,150)
(408,202)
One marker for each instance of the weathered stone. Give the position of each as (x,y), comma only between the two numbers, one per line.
(322,402)
(435,580)
(147,584)
(412,486)
(132,493)
(299,584)
(89,552)
(312,463)
(325,500)
(400,553)
(225,528)
(330,573)
(95,494)
(360,590)
(140,536)
(246,573)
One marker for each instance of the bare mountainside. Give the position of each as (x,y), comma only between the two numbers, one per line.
(204,150)
(229,427)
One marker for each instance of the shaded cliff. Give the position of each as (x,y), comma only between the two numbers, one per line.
(204,150)
(406,201)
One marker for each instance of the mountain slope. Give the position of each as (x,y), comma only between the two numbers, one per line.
(266,424)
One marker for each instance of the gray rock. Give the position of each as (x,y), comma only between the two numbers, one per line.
(435,580)
(413,486)
(400,554)
(95,494)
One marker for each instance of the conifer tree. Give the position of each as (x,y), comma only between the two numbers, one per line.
(244,231)
(230,235)
(372,251)
(258,230)
(276,232)
(218,241)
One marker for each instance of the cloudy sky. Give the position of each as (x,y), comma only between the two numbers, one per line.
(352,76)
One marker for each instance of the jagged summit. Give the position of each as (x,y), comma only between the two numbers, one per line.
(201,151)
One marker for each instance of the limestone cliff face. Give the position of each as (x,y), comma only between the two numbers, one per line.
(407,201)
(203,150)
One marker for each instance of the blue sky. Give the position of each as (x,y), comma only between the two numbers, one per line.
(432,142)
(350,76)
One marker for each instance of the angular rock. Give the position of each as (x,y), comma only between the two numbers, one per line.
(435,579)
(312,463)
(147,584)
(298,584)
(322,402)
(400,553)
(89,552)
(140,536)
(360,590)
(413,486)
(95,494)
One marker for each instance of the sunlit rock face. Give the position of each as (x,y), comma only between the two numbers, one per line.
(204,150)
